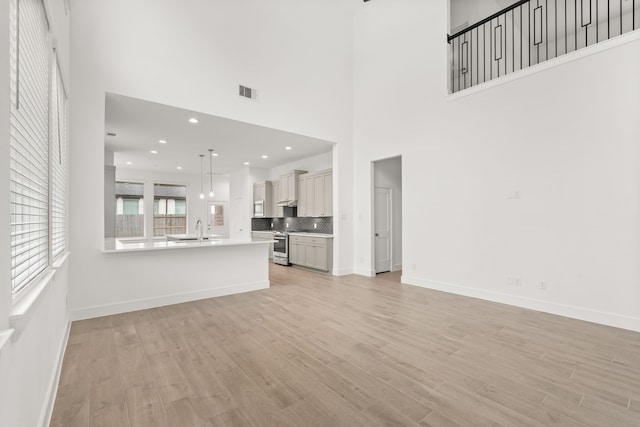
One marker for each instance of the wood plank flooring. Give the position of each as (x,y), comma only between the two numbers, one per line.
(316,350)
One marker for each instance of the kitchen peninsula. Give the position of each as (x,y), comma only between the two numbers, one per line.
(165,272)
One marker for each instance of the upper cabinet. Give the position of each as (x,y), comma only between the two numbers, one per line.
(276,210)
(263,192)
(289,186)
(316,194)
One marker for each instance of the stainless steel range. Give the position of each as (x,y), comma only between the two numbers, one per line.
(281,248)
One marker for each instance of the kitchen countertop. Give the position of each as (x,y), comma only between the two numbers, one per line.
(116,245)
(310,234)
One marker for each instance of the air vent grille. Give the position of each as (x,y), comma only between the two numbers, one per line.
(247,92)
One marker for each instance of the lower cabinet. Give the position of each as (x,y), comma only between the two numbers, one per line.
(311,252)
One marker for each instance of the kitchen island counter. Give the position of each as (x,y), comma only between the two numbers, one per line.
(119,245)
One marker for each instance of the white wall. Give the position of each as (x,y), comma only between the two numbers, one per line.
(310,164)
(387,173)
(472,11)
(565,138)
(193,54)
(29,361)
(196,208)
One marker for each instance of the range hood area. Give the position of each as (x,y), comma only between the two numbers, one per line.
(288,204)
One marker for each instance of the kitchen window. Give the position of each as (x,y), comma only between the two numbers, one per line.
(169,209)
(129,209)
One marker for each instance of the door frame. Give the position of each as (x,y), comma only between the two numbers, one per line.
(393,218)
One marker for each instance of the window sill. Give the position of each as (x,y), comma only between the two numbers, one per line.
(4,337)
(25,304)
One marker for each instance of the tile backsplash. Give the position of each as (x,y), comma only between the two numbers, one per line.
(323,224)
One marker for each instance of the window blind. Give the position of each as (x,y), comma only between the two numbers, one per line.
(29,168)
(58,160)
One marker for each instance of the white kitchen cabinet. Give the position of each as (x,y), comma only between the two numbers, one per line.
(302,195)
(276,210)
(316,194)
(263,191)
(311,252)
(289,185)
(323,194)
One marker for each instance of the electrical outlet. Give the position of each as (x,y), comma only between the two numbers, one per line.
(543,285)
(514,281)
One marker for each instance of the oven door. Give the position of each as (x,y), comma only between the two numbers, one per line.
(280,246)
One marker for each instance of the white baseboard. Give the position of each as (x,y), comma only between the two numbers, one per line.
(142,304)
(47,410)
(343,272)
(580,313)
(367,273)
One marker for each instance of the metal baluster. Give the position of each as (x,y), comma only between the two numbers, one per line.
(513,41)
(470,59)
(556,16)
(608,19)
(575,26)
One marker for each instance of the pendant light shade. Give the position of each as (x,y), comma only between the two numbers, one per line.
(211,194)
(201,178)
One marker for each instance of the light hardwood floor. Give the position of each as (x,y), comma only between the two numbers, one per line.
(316,350)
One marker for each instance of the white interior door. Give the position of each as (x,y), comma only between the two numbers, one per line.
(382,229)
(217,218)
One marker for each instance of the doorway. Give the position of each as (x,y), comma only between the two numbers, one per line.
(387,215)
(217,222)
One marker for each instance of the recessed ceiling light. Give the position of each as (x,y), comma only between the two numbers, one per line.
(246,163)
(287,148)
(179,167)
(193,120)
(162,141)
(264,156)
(154,152)
(214,154)
(129,163)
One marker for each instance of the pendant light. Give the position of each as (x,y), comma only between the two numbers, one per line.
(211,194)
(201,179)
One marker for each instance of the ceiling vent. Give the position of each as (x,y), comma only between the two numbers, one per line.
(111,134)
(247,92)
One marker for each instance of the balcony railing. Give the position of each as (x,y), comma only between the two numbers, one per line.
(533,31)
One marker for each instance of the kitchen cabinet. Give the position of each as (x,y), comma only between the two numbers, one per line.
(263,191)
(323,194)
(277,211)
(316,194)
(289,185)
(311,252)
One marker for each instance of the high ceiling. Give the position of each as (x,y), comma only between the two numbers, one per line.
(139,126)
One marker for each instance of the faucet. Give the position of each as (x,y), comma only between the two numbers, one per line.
(199,229)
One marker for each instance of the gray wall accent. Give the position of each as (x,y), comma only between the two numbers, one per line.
(323,224)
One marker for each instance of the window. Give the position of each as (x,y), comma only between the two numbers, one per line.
(58,161)
(29,141)
(169,209)
(129,209)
